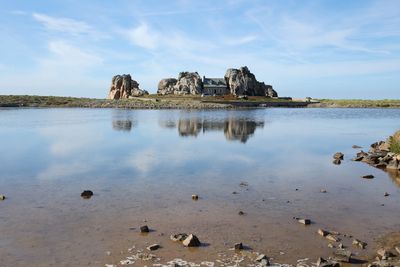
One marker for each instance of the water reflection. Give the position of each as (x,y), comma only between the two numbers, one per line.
(234,128)
(122,120)
(395,176)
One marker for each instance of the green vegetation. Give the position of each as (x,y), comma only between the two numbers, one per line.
(384,103)
(394,142)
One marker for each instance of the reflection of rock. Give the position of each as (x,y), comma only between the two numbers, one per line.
(395,175)
(122,125)
(239,129)
(122,86)
(188,127)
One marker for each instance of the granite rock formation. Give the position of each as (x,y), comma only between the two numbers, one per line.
(243,82)
(187,83)
(122,86)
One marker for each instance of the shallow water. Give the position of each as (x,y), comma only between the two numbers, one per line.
(143,166)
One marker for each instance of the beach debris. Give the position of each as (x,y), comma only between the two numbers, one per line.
(191,241)
(359,243)
(2,197)
(153,247)
(337,161)
(368,176)
(178,237)
(238,246)
(386,194)
(86,194)
(144,229)
(342,255)
(195,197)
(304,221)
(323,190)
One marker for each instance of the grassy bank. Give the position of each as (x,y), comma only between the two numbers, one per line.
(357,103)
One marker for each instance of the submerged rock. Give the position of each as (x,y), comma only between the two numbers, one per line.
(337,161)
(368,176)
(342,255)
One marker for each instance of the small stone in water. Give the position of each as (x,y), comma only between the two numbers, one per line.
(153,247)
(87,194)
(241,213)
(2,197)
(386,194)
(304,221)
(368,176)
(323,191)
(191,241)
(195,197)
(144,229)
(238,246)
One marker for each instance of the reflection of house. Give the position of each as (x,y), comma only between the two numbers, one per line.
(214,86)
(239,129)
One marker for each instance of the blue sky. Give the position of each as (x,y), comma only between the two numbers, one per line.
(329,48)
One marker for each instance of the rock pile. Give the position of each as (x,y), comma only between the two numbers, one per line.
(383,154)
(122,86)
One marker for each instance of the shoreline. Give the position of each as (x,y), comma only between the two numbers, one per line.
(185,102)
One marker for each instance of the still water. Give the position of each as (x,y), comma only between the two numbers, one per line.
(144,165)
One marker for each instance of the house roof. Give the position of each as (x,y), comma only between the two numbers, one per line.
(214,82)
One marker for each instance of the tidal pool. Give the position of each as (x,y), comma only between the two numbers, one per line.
(144,165)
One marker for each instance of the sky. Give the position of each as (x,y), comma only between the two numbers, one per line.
(321,49)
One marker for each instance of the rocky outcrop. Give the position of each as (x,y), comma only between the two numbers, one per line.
(188,83)
(166,86)
(122,86)
(243,82)
(239,82)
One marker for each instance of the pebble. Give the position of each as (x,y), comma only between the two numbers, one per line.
(86,194)
(332,238)
(322,232)
(323,191)
(144,229)
(304,221)
(261,257)
(191,241)
(336,161)
(153,247)
(386,194)
(359,243)
(2,197)
(195,197)
(241,213)
(238,246)
(368,176)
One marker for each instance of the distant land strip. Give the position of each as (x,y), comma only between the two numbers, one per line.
(187,102)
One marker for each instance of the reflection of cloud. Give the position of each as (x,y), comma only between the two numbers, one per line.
(70,139)
(63,170)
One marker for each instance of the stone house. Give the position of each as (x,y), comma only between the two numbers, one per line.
(215,86)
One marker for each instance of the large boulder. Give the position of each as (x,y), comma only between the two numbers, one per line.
(187,83)
(243,82)
(122,86)
(166,86)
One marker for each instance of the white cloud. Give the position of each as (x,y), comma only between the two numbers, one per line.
(142,36)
